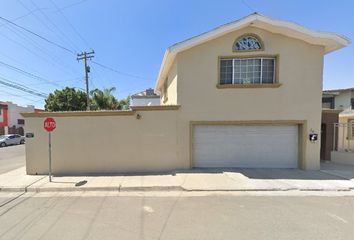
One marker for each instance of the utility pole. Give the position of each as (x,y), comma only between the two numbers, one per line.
(85,56)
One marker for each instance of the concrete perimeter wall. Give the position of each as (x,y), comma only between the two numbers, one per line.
(96,142)
(343,157)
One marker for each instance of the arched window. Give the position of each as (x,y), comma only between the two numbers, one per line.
(248,43)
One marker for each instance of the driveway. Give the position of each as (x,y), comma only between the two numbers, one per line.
(12,157)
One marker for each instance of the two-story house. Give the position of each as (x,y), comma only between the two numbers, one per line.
(237,86)
(245,94)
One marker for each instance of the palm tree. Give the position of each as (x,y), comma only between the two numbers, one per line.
(103,99)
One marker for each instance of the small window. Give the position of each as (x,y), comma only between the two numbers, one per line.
(247,43)
(21,121)
(352,103)
(247,71)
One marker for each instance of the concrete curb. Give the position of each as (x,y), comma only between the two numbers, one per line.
(105,189)
(13,189)
(162,188)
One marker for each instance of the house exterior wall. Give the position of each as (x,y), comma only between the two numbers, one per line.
(300,73)
(14,113)
(104,144)
(141,101)
(171,97)
(342,101)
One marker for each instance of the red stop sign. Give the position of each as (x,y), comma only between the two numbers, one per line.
(49,124)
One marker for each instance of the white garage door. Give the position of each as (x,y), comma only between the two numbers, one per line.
(245,146)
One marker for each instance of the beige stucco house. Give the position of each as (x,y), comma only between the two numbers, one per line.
(245,94)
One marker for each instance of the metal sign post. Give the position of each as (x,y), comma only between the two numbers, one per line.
(49,126)
(50,156)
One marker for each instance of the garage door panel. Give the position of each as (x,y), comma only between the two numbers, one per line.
(245,146)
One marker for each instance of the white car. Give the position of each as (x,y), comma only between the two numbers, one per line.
(11,139)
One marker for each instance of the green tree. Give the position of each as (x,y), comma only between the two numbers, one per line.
(103,99)
(124,104)
(67,99)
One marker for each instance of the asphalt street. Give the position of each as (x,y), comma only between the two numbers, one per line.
(114,215)
(12,157)
(171,215)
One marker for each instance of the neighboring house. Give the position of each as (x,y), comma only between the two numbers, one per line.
(245,94)
(341,100)
(3,115)
(10,116)
(145,98)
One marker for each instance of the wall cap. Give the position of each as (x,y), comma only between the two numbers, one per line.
(78,114)
(155,107)
(100,113)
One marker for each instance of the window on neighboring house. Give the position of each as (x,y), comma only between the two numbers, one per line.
(21,121)
(352,103)
(328,102)
(247,71)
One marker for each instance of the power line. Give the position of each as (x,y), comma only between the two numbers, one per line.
(28,73)
(119,72)
(55,26)
(37,35)
(16,60)
(20,87)
(47,60)
(70,24)
(23,16)
(19,96)
(44,23)
(73,4)
(247,5)
(50,57)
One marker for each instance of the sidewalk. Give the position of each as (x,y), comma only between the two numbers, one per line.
(192,180)
(340,170)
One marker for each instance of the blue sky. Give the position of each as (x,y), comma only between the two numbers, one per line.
(131,37)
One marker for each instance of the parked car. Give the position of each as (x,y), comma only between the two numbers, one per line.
(11,139)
